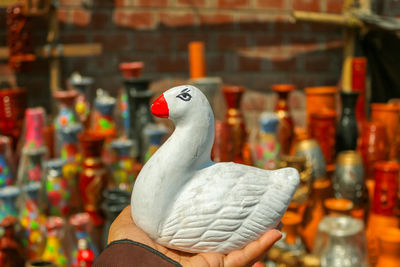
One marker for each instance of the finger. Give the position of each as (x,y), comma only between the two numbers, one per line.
(252,251)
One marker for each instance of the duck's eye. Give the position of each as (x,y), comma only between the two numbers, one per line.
(184,96)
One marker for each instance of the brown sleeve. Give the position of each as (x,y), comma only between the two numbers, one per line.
(124,253)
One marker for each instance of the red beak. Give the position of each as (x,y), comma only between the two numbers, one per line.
(159,108)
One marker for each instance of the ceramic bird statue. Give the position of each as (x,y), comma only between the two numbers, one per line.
(185,201)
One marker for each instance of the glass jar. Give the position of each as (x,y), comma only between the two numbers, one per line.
(264,144)
(341,242)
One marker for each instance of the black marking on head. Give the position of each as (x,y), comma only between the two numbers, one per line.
(184,95)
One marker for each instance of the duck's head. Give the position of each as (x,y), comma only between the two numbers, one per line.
(179,102)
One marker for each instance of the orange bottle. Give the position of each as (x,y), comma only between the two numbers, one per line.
(389,115)
(389,247)
(196,60)
(321,189)
(319,99)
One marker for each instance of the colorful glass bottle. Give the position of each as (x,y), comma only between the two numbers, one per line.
(282,110)
(139,110)
(124,168)
(11,251)
(6,167)
(32,222)
(104,123)
(66,114)
(347,129)
(57,190)
(265,147)
(155,135)
(82,106)
(8,197)
(234,118)
(69,142)
(85,254)
(54,251)
(81,222)
(93,177)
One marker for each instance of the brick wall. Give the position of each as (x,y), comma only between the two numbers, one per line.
(248,42)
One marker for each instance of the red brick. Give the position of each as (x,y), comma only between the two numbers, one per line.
(215,63)
(303,43)
(153,3)
(262,39)
(334,6)
(233,3)
(216,18)
(183,40)
(231,41)
(249,63)
(113,41)
(81,17)
(72,38)
(177,19)
(252,22)
(100,19)
(62,15)
(282,25)
(271,4)
(319,62)
(306,5)
(192,3)
(76,3)
(134,19)
(327,28)
(283,64)
(119,3)
(171,63)
(150,41)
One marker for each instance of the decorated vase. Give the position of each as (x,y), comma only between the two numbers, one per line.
(282,110)
(347,128)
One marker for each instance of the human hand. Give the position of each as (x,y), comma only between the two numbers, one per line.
(125,228)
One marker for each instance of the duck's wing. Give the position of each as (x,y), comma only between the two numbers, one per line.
(227,205)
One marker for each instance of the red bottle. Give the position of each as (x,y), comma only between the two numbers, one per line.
(11,252)
(93,177)
(234,118)
(286,127)
(373,146)
(359,68)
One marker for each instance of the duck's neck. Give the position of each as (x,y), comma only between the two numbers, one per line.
(162,178)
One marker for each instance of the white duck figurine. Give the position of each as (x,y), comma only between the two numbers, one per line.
(185,201)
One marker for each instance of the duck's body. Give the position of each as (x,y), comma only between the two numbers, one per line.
(185,201)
